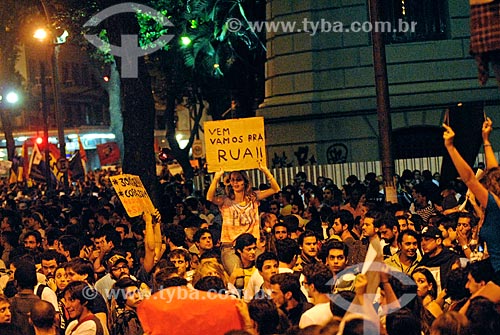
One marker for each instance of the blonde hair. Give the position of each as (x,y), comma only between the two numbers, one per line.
(249,192)
(209,267)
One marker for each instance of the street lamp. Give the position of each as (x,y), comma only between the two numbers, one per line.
(57,40)
(8,100)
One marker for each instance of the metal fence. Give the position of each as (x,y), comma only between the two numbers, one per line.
(339,172)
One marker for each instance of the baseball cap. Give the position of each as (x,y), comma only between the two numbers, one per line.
(113,261)
(432,232)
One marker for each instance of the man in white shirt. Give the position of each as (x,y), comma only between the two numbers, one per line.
(318,279)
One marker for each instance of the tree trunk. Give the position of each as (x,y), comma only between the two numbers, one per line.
(181,155)
(9,137)
(115,108)
(138,109)
(138,129)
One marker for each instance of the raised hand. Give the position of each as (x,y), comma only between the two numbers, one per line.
(219,174)
(487,128)
(448,136)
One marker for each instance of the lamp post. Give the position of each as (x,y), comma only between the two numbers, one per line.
(56,42)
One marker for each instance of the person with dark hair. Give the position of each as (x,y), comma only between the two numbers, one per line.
(9,242)
(288,296)
(181,259)
(116,268)
(32,240)
(334,256)
(280,231)
(355,324)
(52,235)
(466,223)
(292,224)
(486,192)
(308,244)
(245,248)
(403,321)
(50,260)
(437,258)
(25,281)
(211,284)
(427,290)
(340,304)
(317,282)
(203,240)
(6,326)
(448,226)
(408,257)
(484,318)
(105,240)
(298,207)
(44,318)
(389,231)
(127,296)
(478,275)
(239,207)
(175,236)
(69,247)
(456,291)
(422,202)
(285,198)
(82,270)
(274,207)
(287,251)
(123,230)
(265,315)
(267,266)
(77,297)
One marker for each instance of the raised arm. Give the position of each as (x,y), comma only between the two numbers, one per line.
(213,187)
(275,188)
(149,243)
(491,160)
(464,170)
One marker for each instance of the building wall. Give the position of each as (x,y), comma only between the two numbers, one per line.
(320,88)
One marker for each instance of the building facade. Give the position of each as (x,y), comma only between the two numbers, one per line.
(320,100)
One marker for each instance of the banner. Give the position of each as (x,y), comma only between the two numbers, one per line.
(132,194)
(235,144)
(109,153)
(76,168)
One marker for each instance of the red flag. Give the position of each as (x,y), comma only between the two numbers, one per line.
(83,154)
(109,153)
(180,310)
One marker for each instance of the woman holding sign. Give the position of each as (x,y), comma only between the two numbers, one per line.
(239,207)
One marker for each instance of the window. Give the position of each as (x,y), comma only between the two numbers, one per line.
(417,141)
(430,16)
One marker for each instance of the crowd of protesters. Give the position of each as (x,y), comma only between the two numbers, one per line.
(238,259)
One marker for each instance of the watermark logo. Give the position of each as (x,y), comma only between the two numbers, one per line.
(129,51)
(348,276)
(312,28)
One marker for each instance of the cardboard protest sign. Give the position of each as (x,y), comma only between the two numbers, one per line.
(132,194)
(235,144)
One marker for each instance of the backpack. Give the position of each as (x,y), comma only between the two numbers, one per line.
(20,307)
(40,289)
